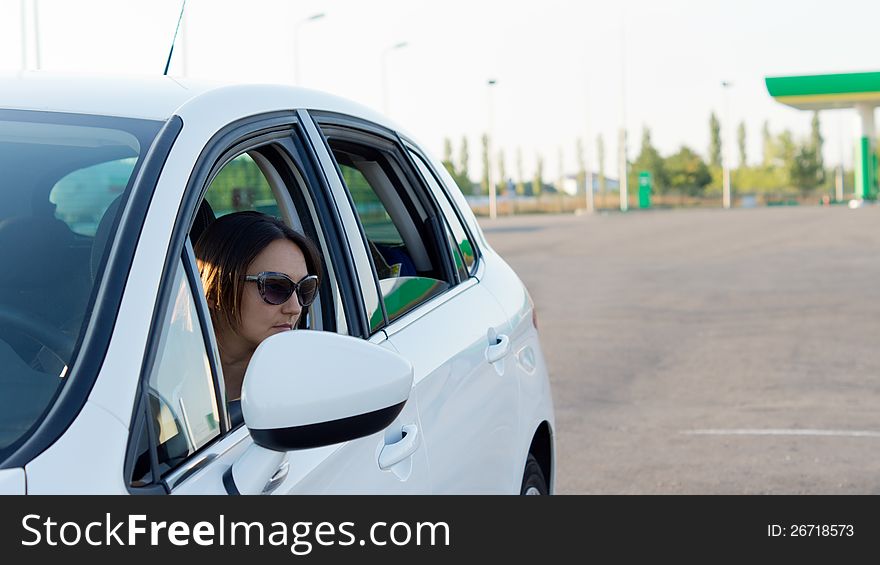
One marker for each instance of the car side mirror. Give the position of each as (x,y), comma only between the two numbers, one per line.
(306,389)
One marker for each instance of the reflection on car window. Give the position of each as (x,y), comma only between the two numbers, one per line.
(82,197)
(181,390)
(240,185)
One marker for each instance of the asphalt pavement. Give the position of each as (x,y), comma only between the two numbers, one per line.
(708,351)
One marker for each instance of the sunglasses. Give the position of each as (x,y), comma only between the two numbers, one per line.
(277,288)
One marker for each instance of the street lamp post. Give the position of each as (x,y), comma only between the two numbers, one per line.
(24,48)
(588,168)
(838,180)
(24,34)
(621,148)
(493,209)
(725,155)
(296,43)
(385,53)
(37,34)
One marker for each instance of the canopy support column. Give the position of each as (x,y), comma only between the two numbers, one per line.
(866,164)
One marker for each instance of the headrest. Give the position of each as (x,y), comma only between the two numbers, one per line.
(34,250)
(102,235)
(204,217)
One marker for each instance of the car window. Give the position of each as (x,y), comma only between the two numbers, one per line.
(242,184)
(378,225)
(401,230)
(182,401)
(464,250)
(64,180)
(277,174)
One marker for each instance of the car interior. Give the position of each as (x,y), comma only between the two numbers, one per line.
(49,217)
(400,232)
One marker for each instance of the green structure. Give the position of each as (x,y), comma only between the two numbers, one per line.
(644,189)
(847,90)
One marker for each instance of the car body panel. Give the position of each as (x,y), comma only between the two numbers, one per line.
(12,481)
(471,432)
(161,97)
(87,459)
(536,401)
(502,283)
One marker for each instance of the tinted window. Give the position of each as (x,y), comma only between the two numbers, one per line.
(63,184)
(402,233)
(465,249)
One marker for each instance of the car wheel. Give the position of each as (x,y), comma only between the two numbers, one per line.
(533,478)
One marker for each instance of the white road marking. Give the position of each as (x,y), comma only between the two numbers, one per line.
(784,432)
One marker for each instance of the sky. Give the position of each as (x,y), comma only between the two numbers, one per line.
(564,69)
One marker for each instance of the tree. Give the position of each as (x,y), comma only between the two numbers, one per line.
(447,156)
(741,143)
(447,150)
(804,168)
(561,182)
(502,173)
(816,142)
(649,159)
(459,175)
(463,159)
(687,172)
(520,182)
(600,155)
(766,145)
(538,180)
(784,150)
(485,182)
(714,141)
(582,167)
(804,163)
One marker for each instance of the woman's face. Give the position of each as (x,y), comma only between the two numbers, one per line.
(260,319)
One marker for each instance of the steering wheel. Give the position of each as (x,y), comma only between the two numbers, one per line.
(39,329)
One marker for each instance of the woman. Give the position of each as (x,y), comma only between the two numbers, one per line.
(259,276)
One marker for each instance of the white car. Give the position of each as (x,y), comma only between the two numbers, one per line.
(423,372)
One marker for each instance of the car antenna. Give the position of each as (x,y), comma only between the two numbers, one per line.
(171,51)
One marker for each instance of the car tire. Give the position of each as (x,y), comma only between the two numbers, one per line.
(534,481)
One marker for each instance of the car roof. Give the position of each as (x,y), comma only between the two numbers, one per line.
(159,97)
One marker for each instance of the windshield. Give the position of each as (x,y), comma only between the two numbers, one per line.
(64,180)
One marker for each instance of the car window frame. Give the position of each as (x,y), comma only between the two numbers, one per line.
(284,128)
(284,179)
(356,130)
(337,204)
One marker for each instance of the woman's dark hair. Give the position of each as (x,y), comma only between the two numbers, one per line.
(226,248)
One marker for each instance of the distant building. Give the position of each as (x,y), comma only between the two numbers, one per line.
(570,184)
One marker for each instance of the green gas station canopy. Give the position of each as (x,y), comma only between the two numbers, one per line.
(823,92)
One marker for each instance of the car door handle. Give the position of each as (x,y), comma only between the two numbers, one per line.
(497,351)
(394,453)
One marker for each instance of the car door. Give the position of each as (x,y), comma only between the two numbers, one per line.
(183,439)
(434,313)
